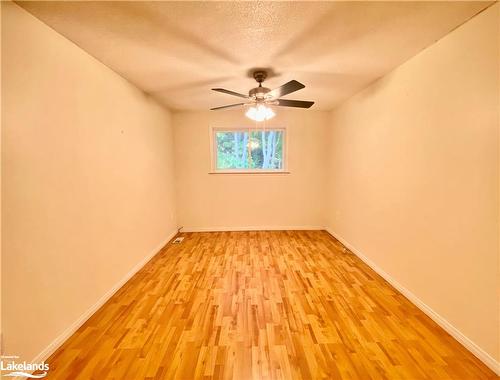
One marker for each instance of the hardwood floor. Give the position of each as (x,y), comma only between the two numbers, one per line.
(261,305)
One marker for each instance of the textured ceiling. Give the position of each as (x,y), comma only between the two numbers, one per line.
(177,51)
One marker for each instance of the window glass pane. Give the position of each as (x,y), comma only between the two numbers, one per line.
(260,150)
(231,151)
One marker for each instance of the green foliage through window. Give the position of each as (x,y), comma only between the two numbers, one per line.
(259,150)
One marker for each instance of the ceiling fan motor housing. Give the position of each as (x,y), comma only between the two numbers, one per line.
(258,93)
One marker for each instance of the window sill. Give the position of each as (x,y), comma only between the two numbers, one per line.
(249,172)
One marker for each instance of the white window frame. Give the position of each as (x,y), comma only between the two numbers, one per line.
(213,152)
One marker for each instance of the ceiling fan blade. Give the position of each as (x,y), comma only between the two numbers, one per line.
(286,89)
(229,106)
(229,92)
(294,103)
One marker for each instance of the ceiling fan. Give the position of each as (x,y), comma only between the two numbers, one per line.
(260,97)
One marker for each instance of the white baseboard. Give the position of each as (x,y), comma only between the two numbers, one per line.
(251,228)
(447,326)
(482,355)
(56,343)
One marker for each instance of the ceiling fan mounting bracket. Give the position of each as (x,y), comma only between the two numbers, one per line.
(260,76)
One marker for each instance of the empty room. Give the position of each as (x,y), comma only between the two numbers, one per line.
(250,190)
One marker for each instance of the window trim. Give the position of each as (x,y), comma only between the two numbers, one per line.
(213,152)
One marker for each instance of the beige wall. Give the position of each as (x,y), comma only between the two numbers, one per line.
(1,334)
(87,181)
(498,120)
(87,187)
(228,201)
(414,177)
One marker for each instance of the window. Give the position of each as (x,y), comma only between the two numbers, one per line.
(244,150)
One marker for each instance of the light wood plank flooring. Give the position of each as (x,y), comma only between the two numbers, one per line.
(261,305)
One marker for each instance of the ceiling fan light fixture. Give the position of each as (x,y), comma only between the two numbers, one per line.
(260,97)
(260,113)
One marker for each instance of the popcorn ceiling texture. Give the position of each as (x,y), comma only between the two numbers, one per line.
(177,51)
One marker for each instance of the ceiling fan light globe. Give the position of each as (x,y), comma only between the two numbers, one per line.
(260,113)
(269,113)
